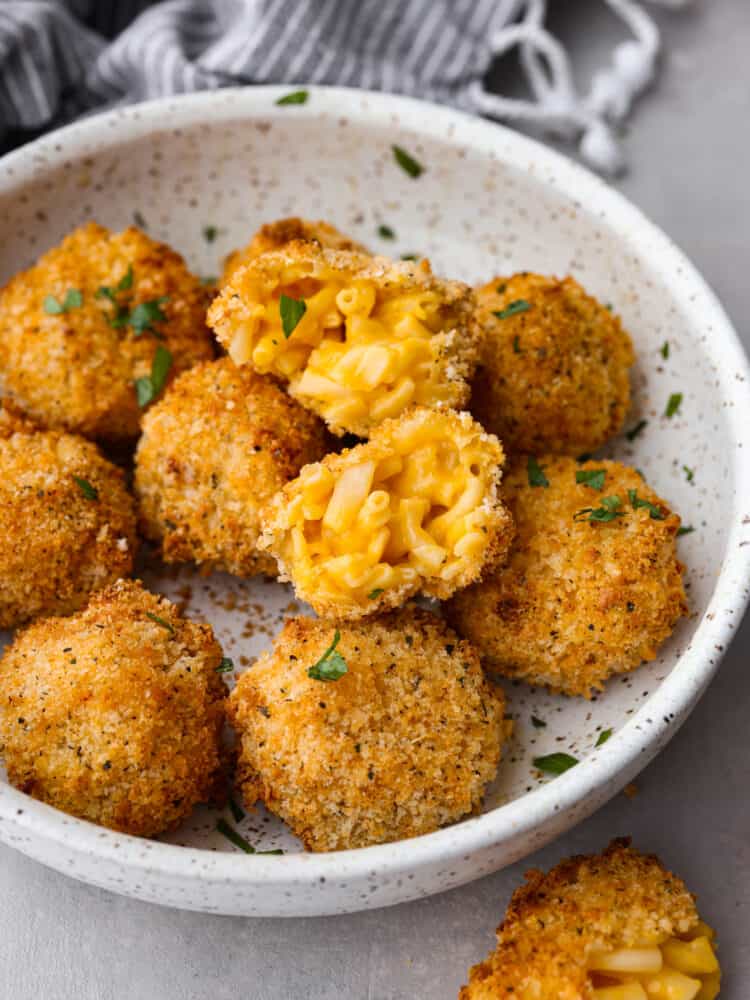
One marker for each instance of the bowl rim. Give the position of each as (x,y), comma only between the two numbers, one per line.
(606,769)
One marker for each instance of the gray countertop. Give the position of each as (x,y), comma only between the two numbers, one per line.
(689,149)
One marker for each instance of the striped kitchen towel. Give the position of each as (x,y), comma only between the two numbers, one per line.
(63,58)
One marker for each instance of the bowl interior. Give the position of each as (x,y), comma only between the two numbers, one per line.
(475,216)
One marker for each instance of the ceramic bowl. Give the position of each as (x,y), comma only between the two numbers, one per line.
(489,202)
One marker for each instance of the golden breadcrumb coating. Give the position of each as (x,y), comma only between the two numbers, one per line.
(560,925)
(67,522)
(74,369)
(553,372)
(216,448)
(114,714)
(578,600)
(413,510)
(401,744)
(358,339)
(275,235)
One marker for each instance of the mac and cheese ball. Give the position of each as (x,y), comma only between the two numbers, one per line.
(219,445)
(67,522)
(358,339)
(592,584)
(80,327)
(275,235)
(615,926)
(114,714)
(553,371)
(364,734)
(413,510)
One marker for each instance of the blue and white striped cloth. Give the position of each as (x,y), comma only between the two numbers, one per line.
(63,58)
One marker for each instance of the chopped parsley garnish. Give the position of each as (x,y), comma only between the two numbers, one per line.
(226,666)
(407,163)
(673,404)
(142,316)
(295,97)
(633,433)
(291,312)
(501,289)
(375,594)
(604,735)
(592,477)
(685,529)
(160,621)
(386,233)
(664,350)
(331,666)
(538,723)
(237,811)
(516,344)
(555,763)
(123,285)
(409,256)
(535,473)
(209,279)
(89,491)
(238,840)
(73,300)
(637,502)
(148,387)
(145,314)
(139,220)
(513,309)
(210,233)
(607,512)
(689,473)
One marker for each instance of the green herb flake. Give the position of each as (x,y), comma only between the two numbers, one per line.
(295,97)
(291,312)
(386,233)
(409,256)
(331,666)
(664,350)
(685,529)
(637,502)
(535,473)
(160,621)
(375,594)
(209,279)
(601,515)
(513,309)
(634,432)
(501,289)
(538,723)
(148,387)
(90,492)
(689,473)
(238,840)
(73,300)
(591,477)
(237,811)
(673,404)
(516,344)
(226,666)
(145,314)
(407,163)
(604,735)
(555,763)
(210,233)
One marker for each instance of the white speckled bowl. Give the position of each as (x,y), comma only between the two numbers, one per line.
(489,202)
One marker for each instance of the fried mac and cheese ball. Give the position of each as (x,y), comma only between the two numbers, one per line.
(615,926)
(592,584)
(67,522)
(216,448)
(357,338)
(86,321)
(275,235)
(553,371)
(367,733)
(413,510)
(114,714)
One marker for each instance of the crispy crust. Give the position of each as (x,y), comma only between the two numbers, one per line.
(403,743)
(553,378)
(57,546)
(576,602)
(613,900)
(76,371)
(110,715)
(213,452)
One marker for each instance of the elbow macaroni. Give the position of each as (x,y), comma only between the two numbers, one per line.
(376,337)
(415,509)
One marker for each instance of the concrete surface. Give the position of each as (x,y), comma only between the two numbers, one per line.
(689,149)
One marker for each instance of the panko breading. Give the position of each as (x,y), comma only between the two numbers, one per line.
(413,510)
(72,361)
(114,714)
(216,448)
(358,339)
(615,926)
(275,235)
(553,371)
(592,584)
(67,522)
(402,743)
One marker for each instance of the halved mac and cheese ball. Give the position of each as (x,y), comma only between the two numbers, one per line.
(367,733)
(213,451)
(413,510)
(115,713)
(275,235)
(554,363)
(592,585)
(358,339)
(92,332)
(615,926)
(67,521)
